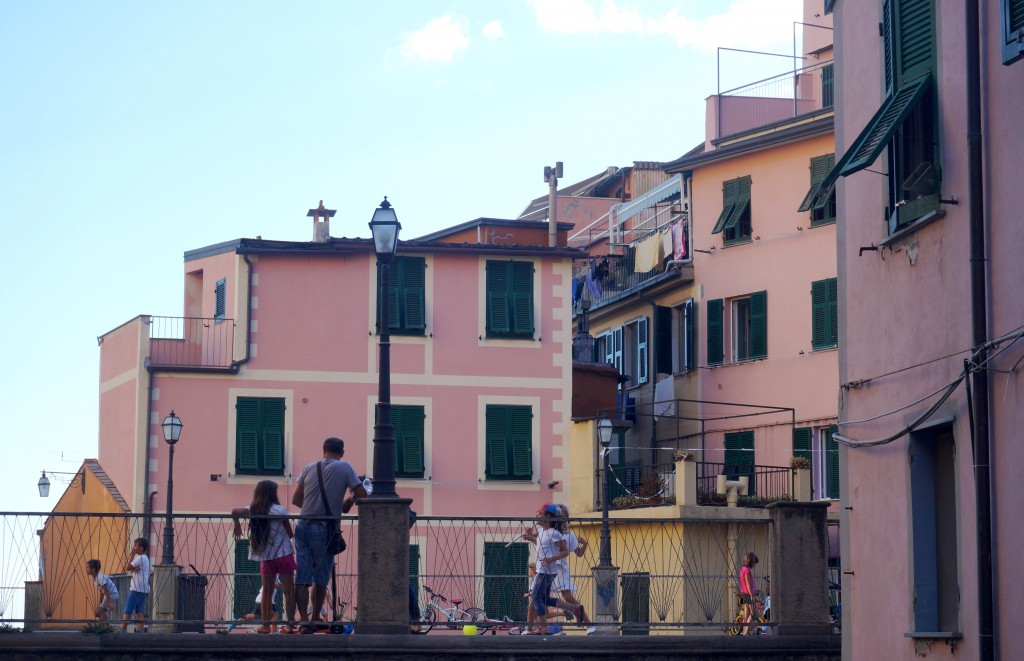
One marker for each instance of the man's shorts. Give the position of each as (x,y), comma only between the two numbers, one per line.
(314,563)
(136,602)
(283,565)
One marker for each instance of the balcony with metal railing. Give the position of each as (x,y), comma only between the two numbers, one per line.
(760,104)
(191,343)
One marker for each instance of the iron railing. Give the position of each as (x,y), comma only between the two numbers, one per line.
(191,342)
(776,99)
(675,574)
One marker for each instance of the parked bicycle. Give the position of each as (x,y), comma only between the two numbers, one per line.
(451,616)
(761,609)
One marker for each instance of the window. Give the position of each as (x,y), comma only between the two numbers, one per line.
(509,442)
(933,486)
(734,221)
(802,442)
(219,292)
(715,310)
(259,436)
(739,457)
(906,122)
(827,466)
(505,580)
(824,314)
(749,323)
(1012,15)
(406,307)
(827,86)
(626,348)
(822,206)
(683,337)
(408,423)
(510,299)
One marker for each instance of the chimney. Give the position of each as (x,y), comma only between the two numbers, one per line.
(551,176)
(321,223)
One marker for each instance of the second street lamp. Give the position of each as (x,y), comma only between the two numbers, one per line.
(172,432)
(604,433)
(385,227)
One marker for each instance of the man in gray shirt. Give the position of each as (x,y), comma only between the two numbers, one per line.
(311,536)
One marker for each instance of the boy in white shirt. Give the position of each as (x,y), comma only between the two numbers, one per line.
(108,591)
(139,568)
(550,549)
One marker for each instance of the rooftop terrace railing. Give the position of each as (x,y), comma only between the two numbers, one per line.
(191,342)
(776,99)
(675,574)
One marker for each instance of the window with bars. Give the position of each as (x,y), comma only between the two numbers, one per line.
(259,436)
(408,424)
(510,299)
(509,431)
(406,296)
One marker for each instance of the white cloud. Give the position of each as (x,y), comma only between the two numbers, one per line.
(751,24)
(440,40)
(493,30)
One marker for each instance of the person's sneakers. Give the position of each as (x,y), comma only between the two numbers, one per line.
(591,630)
(554,630)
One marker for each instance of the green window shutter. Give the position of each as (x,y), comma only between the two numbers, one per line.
(739,456)
(609,348)
(414,566)
(880,130)
(394,278)
(505,580)
(690,331)
(408,422)
(819,169)
(829,5)
(497,297)
(219,293)
(888,61)
(413,298)
(833,311)
(819,314)
(729,190)
(641,350)
(522,298)
(759,324)
(823,194)
(742,202)
(617,349)
(832,454)
(802,442)
(272,422)
(247,579)
(1012,15)
(914,39)
(247,416)
(827,86)
(497,441)
(715,311)
(520,431)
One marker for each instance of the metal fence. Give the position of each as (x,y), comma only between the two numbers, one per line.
(674,574)
(776,99)
(191,342)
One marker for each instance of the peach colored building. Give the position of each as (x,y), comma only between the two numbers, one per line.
(930,244)
(277,349)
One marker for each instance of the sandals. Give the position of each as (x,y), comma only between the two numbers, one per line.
(286,630)
(263,628)
(305,629)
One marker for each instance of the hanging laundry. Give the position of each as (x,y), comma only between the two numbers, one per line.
(679,241)
(577,289)
(648,254)
(593,286)
(665,397)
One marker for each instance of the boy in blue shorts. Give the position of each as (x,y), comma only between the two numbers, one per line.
(136,603)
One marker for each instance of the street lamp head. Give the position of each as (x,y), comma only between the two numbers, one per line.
(44,486)
(385,227)
(172,428)
(604,432)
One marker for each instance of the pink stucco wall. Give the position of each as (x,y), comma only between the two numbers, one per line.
(906,322)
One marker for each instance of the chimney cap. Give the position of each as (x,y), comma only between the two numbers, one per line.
(321,212)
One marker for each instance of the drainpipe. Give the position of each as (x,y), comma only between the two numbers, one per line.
(148,505)
(979,326)
(248,315)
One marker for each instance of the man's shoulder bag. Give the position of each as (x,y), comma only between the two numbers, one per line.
(335,543)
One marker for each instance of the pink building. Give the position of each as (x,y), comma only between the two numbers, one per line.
(277,349)
(930,243)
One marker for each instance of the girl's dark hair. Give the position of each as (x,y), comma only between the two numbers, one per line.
(93,565)
(263,496)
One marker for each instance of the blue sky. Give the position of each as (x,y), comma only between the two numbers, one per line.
(132,132)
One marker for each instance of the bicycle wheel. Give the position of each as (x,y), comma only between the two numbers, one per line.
(478,617)
(737,628)
(428,620)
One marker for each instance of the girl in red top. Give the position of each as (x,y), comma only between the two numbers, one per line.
(747,589)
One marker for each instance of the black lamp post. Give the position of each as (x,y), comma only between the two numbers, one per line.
(604,434)
(385,227)
(172,432)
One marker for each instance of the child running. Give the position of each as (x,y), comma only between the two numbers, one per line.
(550,549)
(563,584)
(270,543)
(139,569)
(108,591)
